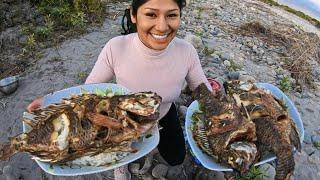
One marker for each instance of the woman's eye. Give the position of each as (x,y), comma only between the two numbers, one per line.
(173,15)
(151,15)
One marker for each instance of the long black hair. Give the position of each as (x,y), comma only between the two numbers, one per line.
(126,22)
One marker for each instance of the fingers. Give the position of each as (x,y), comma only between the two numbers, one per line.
(35,104)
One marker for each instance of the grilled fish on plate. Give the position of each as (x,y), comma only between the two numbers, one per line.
(237,127)
(94,132)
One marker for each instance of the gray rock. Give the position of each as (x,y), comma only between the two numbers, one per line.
(9,173)
(211,44)
(227,63)
(315,158)
(247,78)
(254,47)
(243,72)
(194,40)
(233,75)
(215,57)
(225,56)
(269,170)
(316,140)
(306,94)
(307,138)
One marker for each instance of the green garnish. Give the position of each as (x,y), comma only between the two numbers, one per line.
(100,92)
(83,91)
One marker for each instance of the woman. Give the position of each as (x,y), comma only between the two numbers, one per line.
(152,59)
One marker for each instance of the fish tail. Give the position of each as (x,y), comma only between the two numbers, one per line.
(285,166)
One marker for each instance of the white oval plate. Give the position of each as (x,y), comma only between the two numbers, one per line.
(144,145)
(210,163)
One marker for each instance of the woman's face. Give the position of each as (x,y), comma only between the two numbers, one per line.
(157,23)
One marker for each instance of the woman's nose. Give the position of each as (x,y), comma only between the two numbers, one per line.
(162,24)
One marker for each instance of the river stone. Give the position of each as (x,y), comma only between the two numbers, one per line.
(247,78)
(194,40)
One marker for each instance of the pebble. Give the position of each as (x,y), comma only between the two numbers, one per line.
(233,75)
(8,172)
(247,78)
(225,56)
(316,140)
(269,171)
(227,63)
(194,40)
(313,159)
(307,138)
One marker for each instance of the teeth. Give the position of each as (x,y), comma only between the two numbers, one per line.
(159,36)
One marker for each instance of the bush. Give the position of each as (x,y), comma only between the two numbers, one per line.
(68,14)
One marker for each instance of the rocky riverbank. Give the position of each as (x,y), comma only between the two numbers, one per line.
(248,39)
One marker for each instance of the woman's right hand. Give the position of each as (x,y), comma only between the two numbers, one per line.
(35,104)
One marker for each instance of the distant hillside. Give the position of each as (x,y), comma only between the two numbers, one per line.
(296,12)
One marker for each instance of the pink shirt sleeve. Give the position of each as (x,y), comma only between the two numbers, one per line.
(195,74)
(103,70)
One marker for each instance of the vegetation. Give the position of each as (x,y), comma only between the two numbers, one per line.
(285,84)
(234,66)
(255,174)
(60,17)
(298,13)
(317,145)
(207,51)
(67,14)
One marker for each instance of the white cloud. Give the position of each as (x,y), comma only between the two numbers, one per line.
(316,2)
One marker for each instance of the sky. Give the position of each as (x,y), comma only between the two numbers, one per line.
(310,7)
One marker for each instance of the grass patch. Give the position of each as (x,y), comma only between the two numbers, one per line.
(285,84)
(234,66)
(54,20)
(207,51)
(317,145)
(255,174)
(314,21)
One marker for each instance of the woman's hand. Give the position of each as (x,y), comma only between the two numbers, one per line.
(35,104)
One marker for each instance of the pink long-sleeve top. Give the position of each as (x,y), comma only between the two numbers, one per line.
(140,68)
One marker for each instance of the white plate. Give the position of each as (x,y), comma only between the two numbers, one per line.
(207,161)
(144,145)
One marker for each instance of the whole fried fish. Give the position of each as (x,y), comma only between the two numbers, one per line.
(223,131)
(86,125)
(276,132)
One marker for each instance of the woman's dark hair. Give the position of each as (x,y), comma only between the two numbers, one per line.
(131,27)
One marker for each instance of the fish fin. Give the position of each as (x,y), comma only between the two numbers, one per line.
(30,123)
(102,120)
(294,137)
(6,151)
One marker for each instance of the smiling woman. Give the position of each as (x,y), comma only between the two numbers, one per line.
(149,57)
